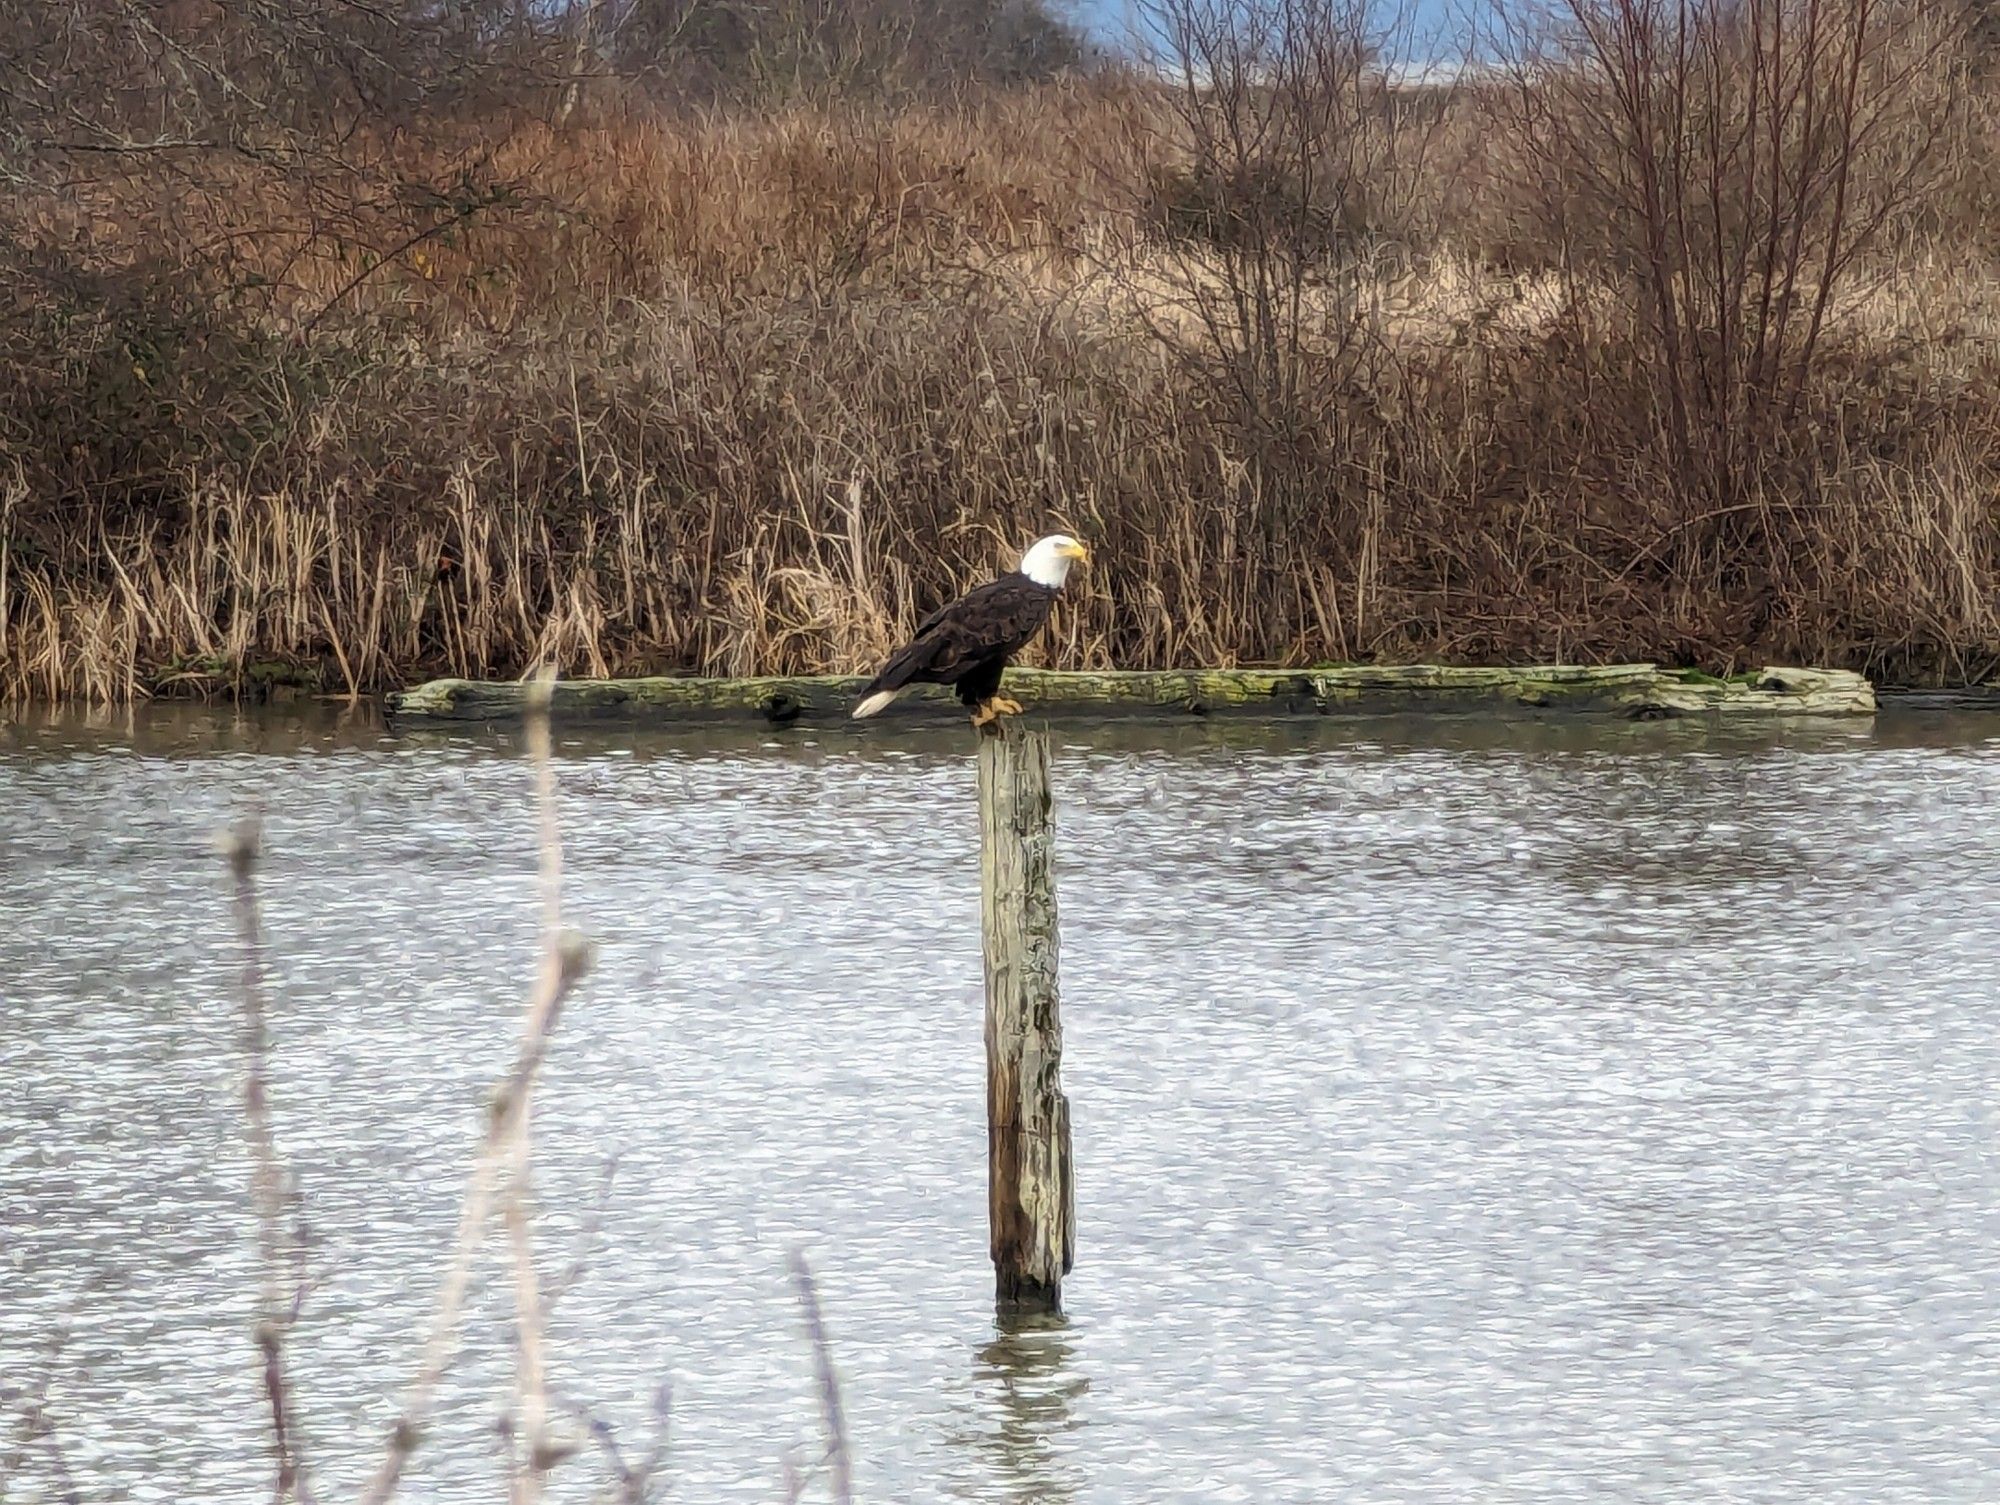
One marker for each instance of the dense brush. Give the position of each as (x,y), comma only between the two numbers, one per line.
(749,395)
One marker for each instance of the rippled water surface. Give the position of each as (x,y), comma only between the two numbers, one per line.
(1463,1112)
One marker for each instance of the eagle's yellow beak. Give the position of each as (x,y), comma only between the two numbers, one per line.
(1077,552)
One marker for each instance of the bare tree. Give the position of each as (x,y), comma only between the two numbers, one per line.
(1728,162)
(1295,146)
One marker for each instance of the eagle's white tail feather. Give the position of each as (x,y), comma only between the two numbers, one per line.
(874,703)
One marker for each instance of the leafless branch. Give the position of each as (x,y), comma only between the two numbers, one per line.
(635,1480)
(242,848)
(585,1244)
(837,1461)
(529,1332)
(37,1425)
(566,958)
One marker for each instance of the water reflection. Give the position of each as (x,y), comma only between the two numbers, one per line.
(1026,1386)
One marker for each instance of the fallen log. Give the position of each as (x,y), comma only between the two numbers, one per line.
(1631,691)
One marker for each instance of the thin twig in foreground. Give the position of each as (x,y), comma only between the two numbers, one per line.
(566,958)
(241,846)
(586,1242)
(33,1403)
(829,1388)
(531,1363)
(634,1481)
(36,1425)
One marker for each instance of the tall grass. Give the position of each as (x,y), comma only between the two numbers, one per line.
(750,393)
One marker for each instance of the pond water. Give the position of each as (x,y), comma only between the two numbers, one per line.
(1463,1111)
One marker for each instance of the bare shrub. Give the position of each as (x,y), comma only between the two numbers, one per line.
(1729,165)
(1279,196)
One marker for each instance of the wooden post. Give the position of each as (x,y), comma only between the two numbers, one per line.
(1031,1202)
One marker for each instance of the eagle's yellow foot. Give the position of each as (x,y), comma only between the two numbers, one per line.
(984,714)
(1001,705)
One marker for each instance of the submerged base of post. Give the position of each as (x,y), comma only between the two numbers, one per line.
(1031,1197)
(1025,1297)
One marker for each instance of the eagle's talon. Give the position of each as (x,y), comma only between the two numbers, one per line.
(1003,705)
(984,715)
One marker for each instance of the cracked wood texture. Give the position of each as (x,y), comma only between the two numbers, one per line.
(1031,1207)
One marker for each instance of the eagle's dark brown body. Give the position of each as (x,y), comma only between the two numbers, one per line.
(967,644)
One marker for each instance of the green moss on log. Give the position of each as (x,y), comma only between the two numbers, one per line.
(1635,691)
(254,679)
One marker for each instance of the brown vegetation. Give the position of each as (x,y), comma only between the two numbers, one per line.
(1674,338)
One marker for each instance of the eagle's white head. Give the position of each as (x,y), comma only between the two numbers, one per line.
(1048,559)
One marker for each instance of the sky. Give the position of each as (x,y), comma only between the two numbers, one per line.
(1112,20)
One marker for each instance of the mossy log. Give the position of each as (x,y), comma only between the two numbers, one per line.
(1635,691)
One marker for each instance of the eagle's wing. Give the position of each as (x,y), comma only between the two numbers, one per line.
(939,615)
(997,617)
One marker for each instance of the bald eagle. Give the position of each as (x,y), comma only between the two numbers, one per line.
(967,644)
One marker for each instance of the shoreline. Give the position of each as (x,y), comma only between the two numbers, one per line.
(1635,692)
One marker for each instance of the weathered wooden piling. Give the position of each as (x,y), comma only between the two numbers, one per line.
(1031,1203)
